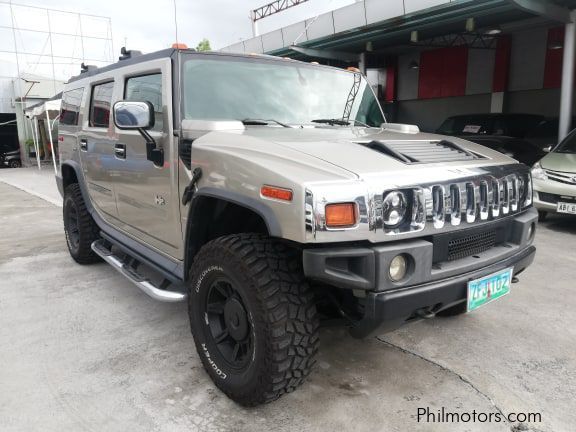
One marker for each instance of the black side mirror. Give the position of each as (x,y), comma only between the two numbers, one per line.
(130,115)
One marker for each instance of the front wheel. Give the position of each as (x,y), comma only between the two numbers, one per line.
(253,317)
(15,163)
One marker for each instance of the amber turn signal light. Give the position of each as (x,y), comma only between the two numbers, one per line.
(276,193)
(340,215)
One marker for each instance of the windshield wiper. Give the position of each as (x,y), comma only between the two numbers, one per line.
(339,122)
(261,122)
(332,122)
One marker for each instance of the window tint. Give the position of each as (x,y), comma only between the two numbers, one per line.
(147,88)
(519,125)
(568,145)
(465,125)
(70,109)
(100,104)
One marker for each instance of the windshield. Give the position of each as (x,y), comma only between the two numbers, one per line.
(568,145)
(290,93)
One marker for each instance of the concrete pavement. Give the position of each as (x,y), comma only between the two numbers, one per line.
(83,349)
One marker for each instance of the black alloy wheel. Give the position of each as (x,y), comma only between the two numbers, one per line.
(230,324)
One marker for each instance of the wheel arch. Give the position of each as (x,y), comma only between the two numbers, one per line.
(72,173)
(214,213)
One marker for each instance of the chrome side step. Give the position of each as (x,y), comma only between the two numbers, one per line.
(131,273)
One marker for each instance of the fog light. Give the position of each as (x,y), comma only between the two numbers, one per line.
(398,268)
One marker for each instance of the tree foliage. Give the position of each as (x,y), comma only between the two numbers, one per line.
(203,45)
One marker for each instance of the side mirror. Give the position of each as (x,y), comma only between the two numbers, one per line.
(139,116)
(133,115)
(547,149)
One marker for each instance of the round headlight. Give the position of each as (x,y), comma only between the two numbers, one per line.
(398,268)
(395,207)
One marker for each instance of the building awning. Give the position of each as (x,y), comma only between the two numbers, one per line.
(52,106)
(388,24)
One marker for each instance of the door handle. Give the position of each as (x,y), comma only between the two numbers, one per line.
(120,151)
(83,145)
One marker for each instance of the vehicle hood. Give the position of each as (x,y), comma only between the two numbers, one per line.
(340,146)
(565,162)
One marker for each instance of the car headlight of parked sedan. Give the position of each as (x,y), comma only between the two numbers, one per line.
(538,172)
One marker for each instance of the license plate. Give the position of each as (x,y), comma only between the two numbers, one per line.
(566,208)
(488,288)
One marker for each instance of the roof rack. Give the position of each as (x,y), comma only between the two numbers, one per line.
(87,68)
(128,54)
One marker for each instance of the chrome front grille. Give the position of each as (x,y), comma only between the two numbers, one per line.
(475,200)
(561,177)
(441,200)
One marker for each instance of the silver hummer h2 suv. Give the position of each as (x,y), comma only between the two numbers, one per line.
(272,195)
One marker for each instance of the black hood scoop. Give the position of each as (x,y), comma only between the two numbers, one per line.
(415,152)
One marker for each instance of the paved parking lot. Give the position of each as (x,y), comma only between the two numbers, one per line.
(83,349)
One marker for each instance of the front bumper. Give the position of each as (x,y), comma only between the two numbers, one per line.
(433,282)
(547,194)
(389,310)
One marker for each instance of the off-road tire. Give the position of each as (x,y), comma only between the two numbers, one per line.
(280,306)
(15,163)
(459,309)
(87,231)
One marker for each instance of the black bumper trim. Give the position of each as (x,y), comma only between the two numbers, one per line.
(386,311)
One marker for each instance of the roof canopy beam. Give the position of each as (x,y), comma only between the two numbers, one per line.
(545,9)
(327,54)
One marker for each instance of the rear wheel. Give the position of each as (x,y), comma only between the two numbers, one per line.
(80,229)
(253,317)
(15,163)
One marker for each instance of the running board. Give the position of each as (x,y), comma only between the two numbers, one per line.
(131,273)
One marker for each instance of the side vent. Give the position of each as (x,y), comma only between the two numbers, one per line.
(414,152)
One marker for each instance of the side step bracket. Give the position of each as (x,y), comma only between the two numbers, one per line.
(130,272)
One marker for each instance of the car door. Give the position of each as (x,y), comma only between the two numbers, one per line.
(96,144)
(146,194)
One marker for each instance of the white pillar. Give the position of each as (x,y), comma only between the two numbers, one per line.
(567,91)
(36,141)
(497,103)
(362,63)
(255,32)
(52,150)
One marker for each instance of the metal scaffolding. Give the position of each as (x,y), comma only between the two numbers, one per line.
(271,9)
(51,43)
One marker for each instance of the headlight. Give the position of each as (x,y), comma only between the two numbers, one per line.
(395,208)
(538,172)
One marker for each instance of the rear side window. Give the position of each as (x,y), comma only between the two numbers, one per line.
(147,88)
(70,109)
(100,104)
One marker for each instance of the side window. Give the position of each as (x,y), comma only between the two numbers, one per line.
(71,101)
(100,104)
(147,88)
(500,128)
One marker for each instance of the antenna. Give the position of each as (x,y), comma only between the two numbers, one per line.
(176,22)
